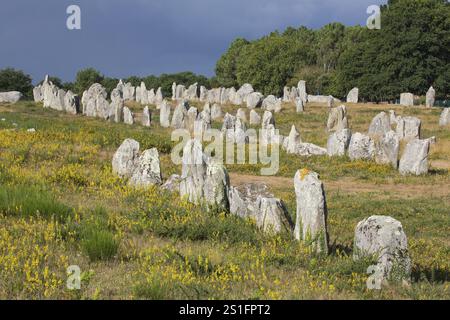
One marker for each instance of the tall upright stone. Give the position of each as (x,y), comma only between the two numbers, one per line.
(387,149)
(128,116)
(164,114)
(408,128)
(299,105)
(293,140)
(147,170)
(180,115)
(337,119)
(146,117)
(430,97)
(444,119)
(407,99)
(338,142)
(361,147)
(380,125)
(353,96)
(217,186)
(301,87)
(124,160)
(255,118)
(415,157)
(311,223)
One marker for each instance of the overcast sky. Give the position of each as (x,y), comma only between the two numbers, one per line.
(141,37)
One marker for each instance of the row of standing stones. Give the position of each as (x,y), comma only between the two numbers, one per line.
(381,143)
(206,182)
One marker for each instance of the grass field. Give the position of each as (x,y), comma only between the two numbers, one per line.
(60,205)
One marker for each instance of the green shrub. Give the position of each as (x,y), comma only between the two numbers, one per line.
(98,244)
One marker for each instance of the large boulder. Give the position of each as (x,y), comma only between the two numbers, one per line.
(243,198)
(147,170)
(407,99)
(272,216)
(415,157)
(71,103)
(380,125)
(444,119)
(383,238)
(361,147)
(124,160)
(337,119)
(352,96)
(272,103)
(387,149)
(338,142)
(94,101)
(311,223)
(430,97)
(10,97)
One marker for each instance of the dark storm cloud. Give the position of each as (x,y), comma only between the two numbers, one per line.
(141,37)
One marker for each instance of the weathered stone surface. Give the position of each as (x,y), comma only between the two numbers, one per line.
(308,149)
(194,165)
(159,96)
(94,102)
(245,90)
(244,197)
(216,112)
(254,100)
(408,128)
(444,119)
(37,94)
(179,115)
(172,184)
(71,103)
(338,142)
(415,157)
(337,119)
(286,94)
(353,96)
(203,94)
(330,102)
(407,99)
(393,117)
(146,117)
(174,90)
(164,114)
(380,125)
(124,160)
(272,216)
(361,147)
(301,87)
(147,169)
(311,223)
(293,140)
(191,118)
(116,110)
(116,95)
(240,132)
(192,92)
(240,114)
(217,185)
(267,120)
(387,149)
(272,103)
(179,92)
(430,97)
(10,97)
(383,237)
(128,116)
(255,118)
(299,105)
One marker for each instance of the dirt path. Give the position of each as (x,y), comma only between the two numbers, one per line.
(348,185)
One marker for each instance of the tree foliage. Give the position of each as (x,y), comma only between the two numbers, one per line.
(16,80)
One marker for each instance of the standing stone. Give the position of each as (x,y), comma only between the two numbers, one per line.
(353,96)
(179,115)
(267,120)
(383,237)
(444,119)
(293,140)
(37,94)
(299,105)
(174,91)
(164,114)
(415,157)
(430,97)
(217,185)
(159,96)
(407,99)
(203,94)
(240,132)
(240,114)
(125,158)
(192,92)
(361,147)
(311,223)
(191,117)
(337,119)
(286,94)
(216,112)
(380,125)
(128,116)
(272,216)
(330,102)
(302,91)
(71,103)
(408,128)
(272,103)
(255,118)
(193,172)
(254,100)
(146,117)
(116,110)
(338,142)
(147,171)
(387,149)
